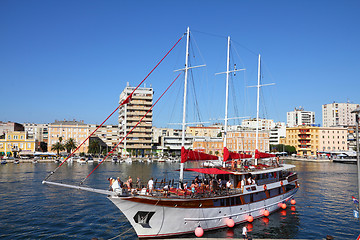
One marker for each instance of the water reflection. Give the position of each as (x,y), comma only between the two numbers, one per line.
(31,210)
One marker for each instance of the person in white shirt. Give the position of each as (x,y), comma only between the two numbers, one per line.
(115,185)
(244,232)
(150,185)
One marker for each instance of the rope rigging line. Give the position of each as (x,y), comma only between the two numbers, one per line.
(114,148)
(127,100)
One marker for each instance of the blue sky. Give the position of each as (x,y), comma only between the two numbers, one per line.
(71,59)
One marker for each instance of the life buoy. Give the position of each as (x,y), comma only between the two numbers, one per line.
(281,183)
(265,187)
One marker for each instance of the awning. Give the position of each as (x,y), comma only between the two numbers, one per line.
(208,170)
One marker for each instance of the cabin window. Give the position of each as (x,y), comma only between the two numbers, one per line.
(216,202)
(232,201)
(259,196)
(274,192)
(247,198)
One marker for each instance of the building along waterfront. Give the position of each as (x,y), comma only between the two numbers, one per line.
(338,114)
(76,130)
(139,140)
(17,142)
(300,117)
(310,140)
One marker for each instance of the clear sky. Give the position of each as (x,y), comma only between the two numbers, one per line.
(71,59)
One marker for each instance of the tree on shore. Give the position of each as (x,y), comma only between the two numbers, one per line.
(57,147)
(94,147)
(70,145)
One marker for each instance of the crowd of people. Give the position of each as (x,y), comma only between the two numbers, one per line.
(198,185)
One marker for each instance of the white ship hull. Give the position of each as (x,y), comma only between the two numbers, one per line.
(157,220)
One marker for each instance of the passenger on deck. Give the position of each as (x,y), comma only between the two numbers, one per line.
(138,183)
(192,187)
(238,163)
(150,185)
(166,190)
(228,185)
(249,181)
(121,184)
(129,182)
(110,183)
(115,185)
(243,182)
(185,186)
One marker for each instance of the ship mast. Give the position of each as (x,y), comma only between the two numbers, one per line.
(227,89)
(184,103)
(186,72)
(257,105)
(257,108)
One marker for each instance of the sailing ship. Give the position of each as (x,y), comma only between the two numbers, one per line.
(172,209)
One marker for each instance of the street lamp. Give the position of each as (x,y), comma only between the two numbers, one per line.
(357,111)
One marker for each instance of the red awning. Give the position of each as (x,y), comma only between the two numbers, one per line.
(232,155)
(263,155)
(190,155)
(208,170)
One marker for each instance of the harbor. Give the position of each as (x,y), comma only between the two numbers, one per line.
(323,206)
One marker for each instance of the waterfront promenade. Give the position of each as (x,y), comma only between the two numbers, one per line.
(306,159)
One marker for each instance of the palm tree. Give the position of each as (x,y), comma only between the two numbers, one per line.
(70,145)
(57,147)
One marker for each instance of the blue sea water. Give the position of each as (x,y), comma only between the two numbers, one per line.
(31,210)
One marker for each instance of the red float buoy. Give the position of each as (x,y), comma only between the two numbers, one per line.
(230,222)
(283,206)
(250,218)
(199,232)
(293,202)
(266,212)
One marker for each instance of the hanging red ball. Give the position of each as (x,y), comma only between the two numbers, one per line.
(293,202)
(199,232)
(283,206)
(250,218)
(266,213)
(230,222)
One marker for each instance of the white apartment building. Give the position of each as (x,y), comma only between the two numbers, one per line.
(299,117)
(279,131)
(139,140)
(338,114)
(37,131)
(264,124)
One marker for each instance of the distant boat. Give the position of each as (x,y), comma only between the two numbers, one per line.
(3,162)
(346,157)
(81,160)
(114,159)
(90,159)
(128,160)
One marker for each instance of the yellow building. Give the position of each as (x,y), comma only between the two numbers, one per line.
(310,140)
(237,141)
(245,141)
(203,131)
(78,131)
(208,145)
(16,142)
